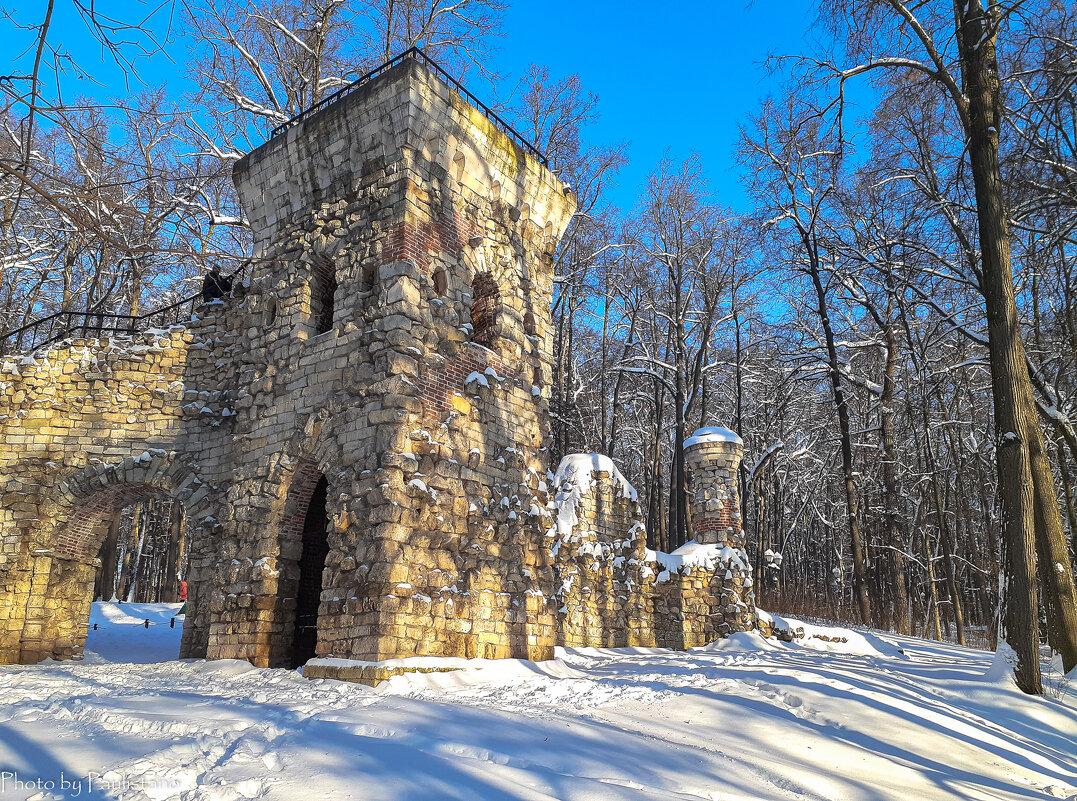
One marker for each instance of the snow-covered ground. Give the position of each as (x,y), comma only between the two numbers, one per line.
(743,719)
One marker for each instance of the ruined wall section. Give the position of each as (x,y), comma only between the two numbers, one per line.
(413,199)
(86,427)
(613,591)
(605,579)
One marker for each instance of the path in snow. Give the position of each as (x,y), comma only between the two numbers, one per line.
(745,719)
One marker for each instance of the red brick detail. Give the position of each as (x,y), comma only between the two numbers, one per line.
(417,242)
(300,491)
(437,387)
(77,541)
(722,521)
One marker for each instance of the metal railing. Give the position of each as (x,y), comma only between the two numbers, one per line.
(70,324)
(418,54)
(82,324)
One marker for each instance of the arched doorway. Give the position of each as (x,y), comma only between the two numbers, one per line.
(143,556)
(315,548)
(61,589)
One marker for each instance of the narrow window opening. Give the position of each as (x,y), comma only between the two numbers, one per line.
(458,166)
(441,282)
(485,307)
(269,314)
(368,276)
(323,289)
(529,324)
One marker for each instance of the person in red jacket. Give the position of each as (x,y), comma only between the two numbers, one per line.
(183,597)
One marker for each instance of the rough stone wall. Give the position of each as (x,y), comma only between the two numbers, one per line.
(431,434)
(86,428)
(613,591)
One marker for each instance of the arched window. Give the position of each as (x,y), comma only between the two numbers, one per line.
(485,308)
(441,282)
(323,289)
(269,313)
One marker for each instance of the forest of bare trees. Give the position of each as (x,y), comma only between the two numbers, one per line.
(890,323)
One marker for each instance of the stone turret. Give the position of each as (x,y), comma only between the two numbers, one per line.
(713,458)
(395,369)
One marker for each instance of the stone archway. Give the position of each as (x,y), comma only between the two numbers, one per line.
(307,570)
(51,580)
(253,593)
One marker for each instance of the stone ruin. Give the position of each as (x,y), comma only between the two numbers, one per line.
(359,435)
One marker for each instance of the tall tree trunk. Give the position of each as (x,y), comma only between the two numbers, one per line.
(678,506)
(891,489)
(860,584)
(944,530)
(1067,489)
(1026,486)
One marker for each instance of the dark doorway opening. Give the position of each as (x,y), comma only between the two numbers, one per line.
(311,564)
(323,289)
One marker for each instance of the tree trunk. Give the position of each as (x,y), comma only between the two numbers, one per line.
(1028,509)
(890,485)
(860,585)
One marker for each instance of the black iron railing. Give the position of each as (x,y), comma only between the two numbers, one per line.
(72,324)
(83,324)
(418,54)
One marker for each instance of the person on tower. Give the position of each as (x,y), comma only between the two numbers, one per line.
(215,285)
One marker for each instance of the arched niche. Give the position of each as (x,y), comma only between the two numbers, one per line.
(485,309)
(323,289)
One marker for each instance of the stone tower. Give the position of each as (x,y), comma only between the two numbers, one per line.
(712,456)
(392,357)
(358,436)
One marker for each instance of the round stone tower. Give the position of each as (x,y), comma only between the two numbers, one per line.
(712,456)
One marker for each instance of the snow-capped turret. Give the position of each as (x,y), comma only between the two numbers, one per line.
(713,457)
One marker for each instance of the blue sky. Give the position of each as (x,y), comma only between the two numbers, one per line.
(675,80)
(671,80)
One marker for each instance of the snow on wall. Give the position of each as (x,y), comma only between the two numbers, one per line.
(612,590)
